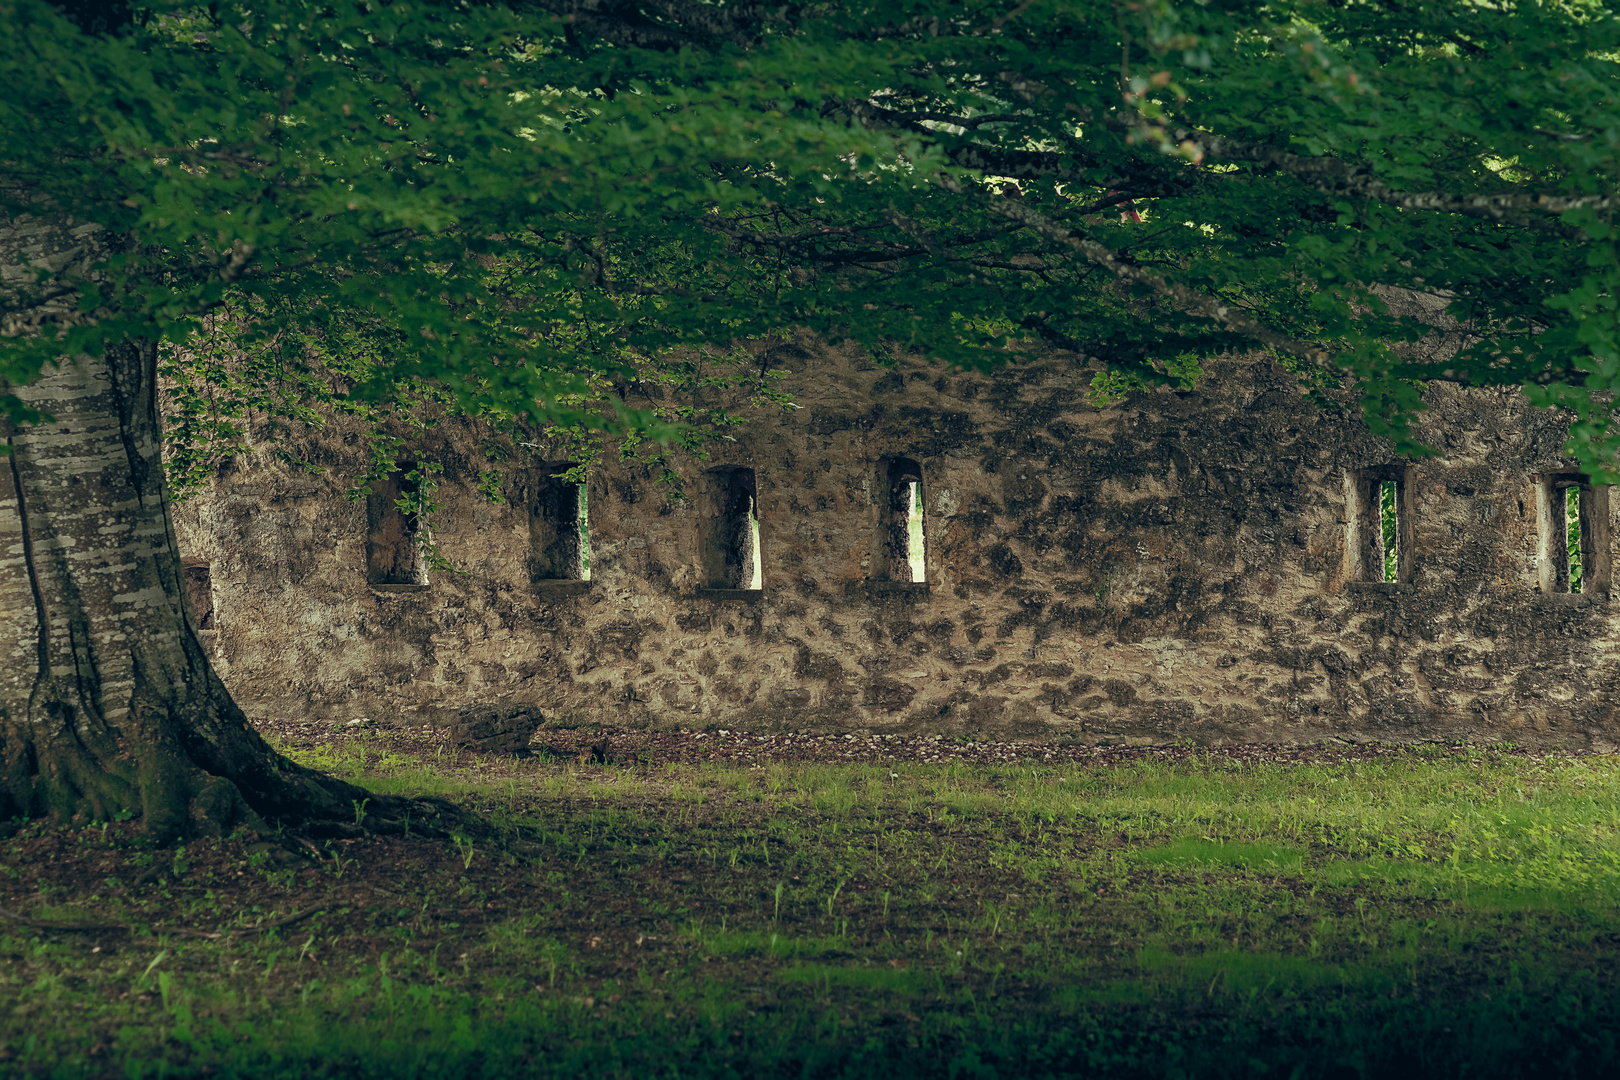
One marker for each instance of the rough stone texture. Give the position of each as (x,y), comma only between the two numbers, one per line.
(495,729)
(1166,568)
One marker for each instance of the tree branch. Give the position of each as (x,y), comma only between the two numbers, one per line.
(1142,180)
(667,25)
(1183,299)
(1334,176)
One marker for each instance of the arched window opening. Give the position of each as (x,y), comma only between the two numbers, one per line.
(559,526)
(393,552)
(902,552)
(731,552)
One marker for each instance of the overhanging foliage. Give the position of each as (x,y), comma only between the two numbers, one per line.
(539,198)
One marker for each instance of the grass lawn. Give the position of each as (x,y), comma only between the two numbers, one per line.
(1436,911)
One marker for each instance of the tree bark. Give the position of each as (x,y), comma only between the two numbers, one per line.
(108,704)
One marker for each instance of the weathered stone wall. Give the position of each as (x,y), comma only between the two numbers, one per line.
(1169,567)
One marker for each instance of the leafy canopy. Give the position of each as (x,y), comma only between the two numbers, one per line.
(524,202)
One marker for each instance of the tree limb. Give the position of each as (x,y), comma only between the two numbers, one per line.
(1334,176)
(666,25)
(1185,300)
(1142,180)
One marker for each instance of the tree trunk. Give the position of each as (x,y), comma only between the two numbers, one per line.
(108,705)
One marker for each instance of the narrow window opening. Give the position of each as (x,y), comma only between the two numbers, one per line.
(902,553)
(584,534)
(1572,517)
(731,544)
(914,532)
(756,578)
(393,552)
(1572,536)
(1378,540)
(200,592)
(1389,518)
(559,525)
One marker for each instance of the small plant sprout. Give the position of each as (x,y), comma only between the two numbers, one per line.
(777,916)
(163,954)
(464,845)
(360,809)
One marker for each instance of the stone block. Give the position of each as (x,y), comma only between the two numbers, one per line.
(495,729)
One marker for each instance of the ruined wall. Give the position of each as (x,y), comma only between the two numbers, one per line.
(1173,566)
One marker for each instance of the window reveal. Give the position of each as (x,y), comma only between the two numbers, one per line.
(394,554)
(731,541)
(1572,523)
(1378,526)
(901,540)
(559,526)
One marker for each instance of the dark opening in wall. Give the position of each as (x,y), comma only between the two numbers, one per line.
(1378,535)
(393,553)
(901,552)
(200,592)
(730,549)
(559,526)
(1572,524)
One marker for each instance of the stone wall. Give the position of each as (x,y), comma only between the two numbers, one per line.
(1175,566)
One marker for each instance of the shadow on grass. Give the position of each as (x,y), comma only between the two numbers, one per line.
(411,1032)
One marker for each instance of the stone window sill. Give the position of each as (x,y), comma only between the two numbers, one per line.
(1387,588)
(746,596)
(879,590)
(560,588)
(1571,599)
